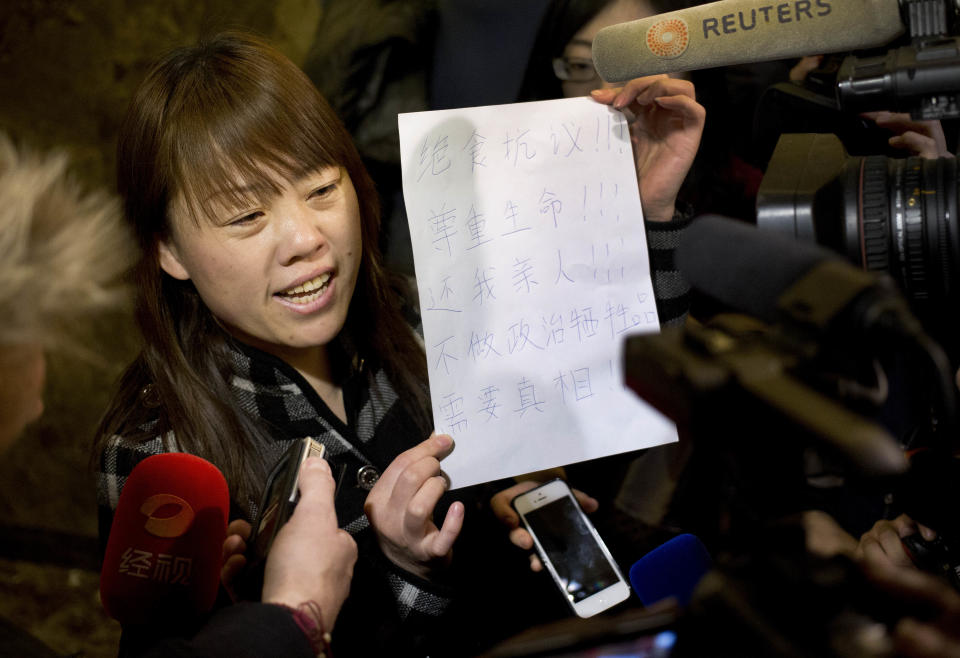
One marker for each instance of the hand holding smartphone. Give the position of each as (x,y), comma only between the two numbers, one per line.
(571,549)
(281,494)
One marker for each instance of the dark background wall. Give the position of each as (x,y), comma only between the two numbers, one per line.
(67,70)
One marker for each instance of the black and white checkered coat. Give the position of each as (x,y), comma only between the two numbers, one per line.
(388,609)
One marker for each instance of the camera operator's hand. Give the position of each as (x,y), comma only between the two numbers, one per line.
(881,546)
(931,629)
(503,510)
(802,69)
(665,133)
(922,138)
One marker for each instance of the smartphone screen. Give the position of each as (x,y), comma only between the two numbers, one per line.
(580,563)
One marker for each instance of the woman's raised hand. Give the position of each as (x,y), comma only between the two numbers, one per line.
(665,131)
(400,509)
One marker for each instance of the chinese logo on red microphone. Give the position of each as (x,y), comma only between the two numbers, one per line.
(168,517)
(668,38)
(159,567)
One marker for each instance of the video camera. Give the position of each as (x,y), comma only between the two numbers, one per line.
(783,399)
(919,75)
(824,376)
(894,215)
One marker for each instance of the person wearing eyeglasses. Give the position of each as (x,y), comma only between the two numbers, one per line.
(561,60)
(574,67)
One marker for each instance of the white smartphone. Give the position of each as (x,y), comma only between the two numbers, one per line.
(571,548)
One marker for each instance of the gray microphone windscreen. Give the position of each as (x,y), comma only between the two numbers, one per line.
(742,31)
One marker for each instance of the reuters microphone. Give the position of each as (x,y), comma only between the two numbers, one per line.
(742,31)
(163,557)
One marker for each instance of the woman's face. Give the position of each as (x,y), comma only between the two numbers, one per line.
(579,51)
(279,274)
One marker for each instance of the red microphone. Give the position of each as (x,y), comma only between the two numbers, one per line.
(164,554)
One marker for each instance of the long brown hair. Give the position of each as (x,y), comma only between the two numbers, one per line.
(232,106)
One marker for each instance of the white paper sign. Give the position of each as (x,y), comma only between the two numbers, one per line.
(532,267)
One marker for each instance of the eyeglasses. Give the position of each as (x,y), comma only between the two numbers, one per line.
(574,69)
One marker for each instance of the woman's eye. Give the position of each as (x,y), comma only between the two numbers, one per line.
(247,218)
(323,191)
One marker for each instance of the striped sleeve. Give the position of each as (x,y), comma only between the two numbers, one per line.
(672,292)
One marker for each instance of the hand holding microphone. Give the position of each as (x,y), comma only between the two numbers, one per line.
(169,546)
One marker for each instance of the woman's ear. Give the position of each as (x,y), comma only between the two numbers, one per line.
(170,261)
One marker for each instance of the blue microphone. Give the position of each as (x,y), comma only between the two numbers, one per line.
(672,569)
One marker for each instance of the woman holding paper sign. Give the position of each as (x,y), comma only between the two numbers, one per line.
(267,316)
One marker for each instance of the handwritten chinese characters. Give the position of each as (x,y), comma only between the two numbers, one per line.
(532,267)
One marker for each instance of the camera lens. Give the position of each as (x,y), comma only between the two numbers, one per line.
(892,215)
(907,225)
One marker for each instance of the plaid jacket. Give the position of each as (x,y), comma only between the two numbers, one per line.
(388,609)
